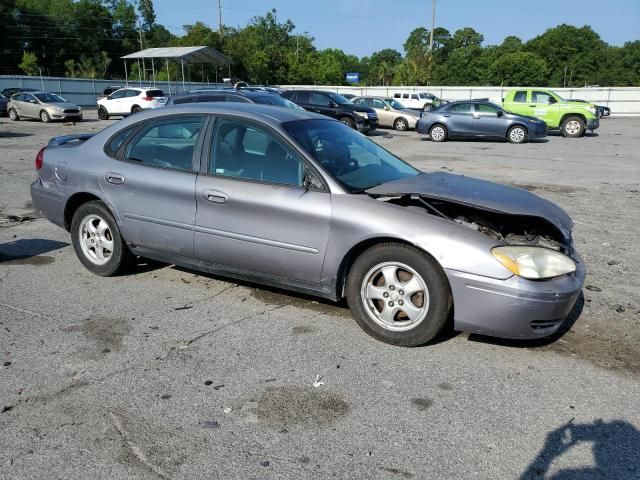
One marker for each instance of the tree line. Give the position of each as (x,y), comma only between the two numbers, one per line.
(86,38)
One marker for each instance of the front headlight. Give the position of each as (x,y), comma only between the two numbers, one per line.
(362,114)
(57,109)
(534,263)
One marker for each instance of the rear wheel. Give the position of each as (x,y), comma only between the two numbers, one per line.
(573,127)
(97,241)
(13,115)
(44,116)
(438,133)
(135,109)
(398,294)
(348,121)
(103,114)
(517,134)
(401,124)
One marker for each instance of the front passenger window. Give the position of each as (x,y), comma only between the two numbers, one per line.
(168,143)
(244,151)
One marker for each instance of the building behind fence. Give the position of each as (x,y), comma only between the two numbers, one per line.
(621,100)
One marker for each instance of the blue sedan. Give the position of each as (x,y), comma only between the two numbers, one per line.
(477,118)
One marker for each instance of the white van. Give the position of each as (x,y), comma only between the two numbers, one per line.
(416,100)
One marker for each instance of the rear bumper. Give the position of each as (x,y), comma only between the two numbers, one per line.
(50,204)
(515,308)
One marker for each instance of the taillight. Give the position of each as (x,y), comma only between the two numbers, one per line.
(40,158)
(147,99)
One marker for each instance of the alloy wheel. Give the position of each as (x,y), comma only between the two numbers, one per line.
(517,135)
(437,133)
(96,239)
(395,296)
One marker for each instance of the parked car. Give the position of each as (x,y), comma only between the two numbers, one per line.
(297,200)
(417,100)
(245,95)
(4,101)
(334,105)
(43,105)
(477,118)
(9,92)
(109,90)
(129,101)
(571,117)
(391,113)
(601,110)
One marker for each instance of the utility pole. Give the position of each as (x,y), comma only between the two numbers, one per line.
(564,83)
(142,74)
(220,18)
(433,23)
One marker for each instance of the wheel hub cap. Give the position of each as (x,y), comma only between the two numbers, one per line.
(96,239)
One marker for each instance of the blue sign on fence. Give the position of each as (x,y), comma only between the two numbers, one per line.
(353,77)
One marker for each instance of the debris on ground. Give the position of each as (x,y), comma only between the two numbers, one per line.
(317,382)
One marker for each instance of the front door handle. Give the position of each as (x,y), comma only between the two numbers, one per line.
(446,115)
(214,196)
(114,178)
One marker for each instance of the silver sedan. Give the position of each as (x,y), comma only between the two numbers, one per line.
(297,200)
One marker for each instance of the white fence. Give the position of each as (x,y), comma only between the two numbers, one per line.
(84,91)
(622,100)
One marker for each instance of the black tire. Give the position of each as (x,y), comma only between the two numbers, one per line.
(120,257)
(517,134)
(44,116)
(438,138)
(427,107)
(439,297)
(573,127)
(103,114)
(348,121)
(135,109)
(401,124)
(13,115)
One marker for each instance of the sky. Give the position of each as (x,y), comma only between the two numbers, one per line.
(362,27)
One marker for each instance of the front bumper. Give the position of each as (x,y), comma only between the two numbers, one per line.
(365,125)
(56,115)
(593,123)
(514,308)
(537,131)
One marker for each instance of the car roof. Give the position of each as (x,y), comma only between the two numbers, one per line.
(243,92)
(372,96)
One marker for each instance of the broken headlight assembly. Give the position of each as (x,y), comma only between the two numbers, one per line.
(534,263)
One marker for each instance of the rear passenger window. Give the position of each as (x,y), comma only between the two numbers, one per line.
(415,97)
(114,144)
(462,108)
(167,143)
(319,99)
(520,96)
(405,95)
(397,95)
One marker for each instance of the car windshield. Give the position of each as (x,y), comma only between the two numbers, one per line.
(339,99)
(278,101)
(49,98)
(351,158)
(395,104)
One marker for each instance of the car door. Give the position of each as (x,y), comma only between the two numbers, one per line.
(322,103)
(150,180)
(542,105)
(253,214)
(17,103)
(113,102)
(30,106)
(519,104)
(460,119)
(487,122)
(386,116)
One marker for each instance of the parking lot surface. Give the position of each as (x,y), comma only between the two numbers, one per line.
(170,373)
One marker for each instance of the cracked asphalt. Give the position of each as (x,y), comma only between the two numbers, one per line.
(173,374)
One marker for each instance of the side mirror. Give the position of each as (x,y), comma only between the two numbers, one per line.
(332,104)
(499,113)
(309,181)
(552,100)
(387,107)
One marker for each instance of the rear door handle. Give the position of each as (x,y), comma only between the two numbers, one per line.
(214,196)
(114,178)
(446,115)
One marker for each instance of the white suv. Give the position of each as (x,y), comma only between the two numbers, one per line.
(128,101)
(416,100)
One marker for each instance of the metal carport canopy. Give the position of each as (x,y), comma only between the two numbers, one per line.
(184,54)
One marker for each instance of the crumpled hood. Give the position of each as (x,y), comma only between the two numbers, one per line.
(480,194)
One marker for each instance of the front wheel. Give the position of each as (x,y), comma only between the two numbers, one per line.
(573,127)
(44,116)
(517,134)
(401,124)
(348,121)
(398,294)
(103,114)
(97,241)
(13,115)
(438,133)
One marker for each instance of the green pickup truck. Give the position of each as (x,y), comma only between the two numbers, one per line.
(572,118)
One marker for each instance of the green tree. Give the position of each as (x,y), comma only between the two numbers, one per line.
(29,64)
(518,69)
(147,14)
